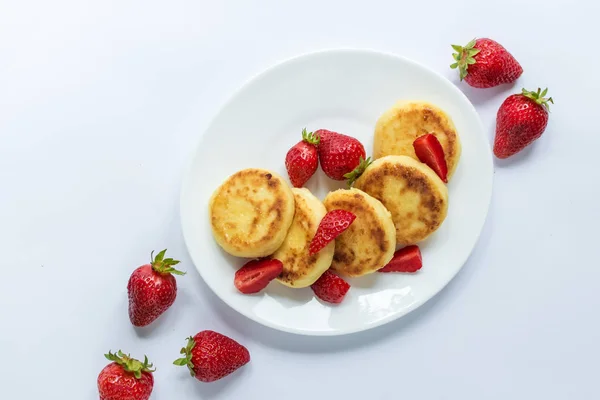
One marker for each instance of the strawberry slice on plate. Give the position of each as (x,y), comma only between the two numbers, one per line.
(430,151)
(331,226)
(407,259)
(255,275)
(330,288)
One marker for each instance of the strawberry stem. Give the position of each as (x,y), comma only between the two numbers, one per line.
(187,351)
(464,57)
(164,265)
(129,364)
(358,171)
(310,137)
(539,97)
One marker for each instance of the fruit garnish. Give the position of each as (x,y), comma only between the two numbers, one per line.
(302,160)
(210,356)
(484,63)
(339,154)
(330,288)
(407,259)
(429,150)
(331,226)
(125,378)
(152,289)
(521,119)
(255,275)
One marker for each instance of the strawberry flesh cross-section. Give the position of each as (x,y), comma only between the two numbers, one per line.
(429,150)
(255,275)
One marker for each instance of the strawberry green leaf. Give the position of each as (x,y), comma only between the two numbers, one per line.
(464,57)
(310,137)
(187,360)
(130,364)
(174,271)
(358,171)
(159,257)
(164,265)
(539,97)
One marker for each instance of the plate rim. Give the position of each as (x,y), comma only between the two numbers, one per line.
(190,161)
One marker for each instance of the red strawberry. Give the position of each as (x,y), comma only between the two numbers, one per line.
(152,289)
(484,63)
(211,356)
(302,160)
(255,275)
(521,119)
(339,154)
(407,259)
(430,151)
(125,378)
(330,288)
(331,226)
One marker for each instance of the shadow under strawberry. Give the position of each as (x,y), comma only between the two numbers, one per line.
(518,159)
(481,97)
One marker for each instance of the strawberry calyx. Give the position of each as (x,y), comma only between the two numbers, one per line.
(464,57)
(187,351)
(539,97)
(310,137)
(164,265)
(358,171)
(129,364)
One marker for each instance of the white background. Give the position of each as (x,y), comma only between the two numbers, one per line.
(101,105)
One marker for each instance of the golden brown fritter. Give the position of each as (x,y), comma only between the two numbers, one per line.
(251,212)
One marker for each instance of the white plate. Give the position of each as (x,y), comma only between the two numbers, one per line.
(344,91)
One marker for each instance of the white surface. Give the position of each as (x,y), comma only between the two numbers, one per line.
(99,111)
(345,91)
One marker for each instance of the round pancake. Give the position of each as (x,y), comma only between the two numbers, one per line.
(251,212)
(369,243)
(398,127)
(415,196)
(300,269)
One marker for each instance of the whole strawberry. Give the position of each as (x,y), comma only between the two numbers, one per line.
(484,63)
(211,356)
(125,378)
(521,119)
(152,289)
(339,154)
(302,160)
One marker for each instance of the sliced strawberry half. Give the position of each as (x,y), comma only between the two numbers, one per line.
(330,288)
(255,275)
(331,226)
(407,259)
(430,151)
